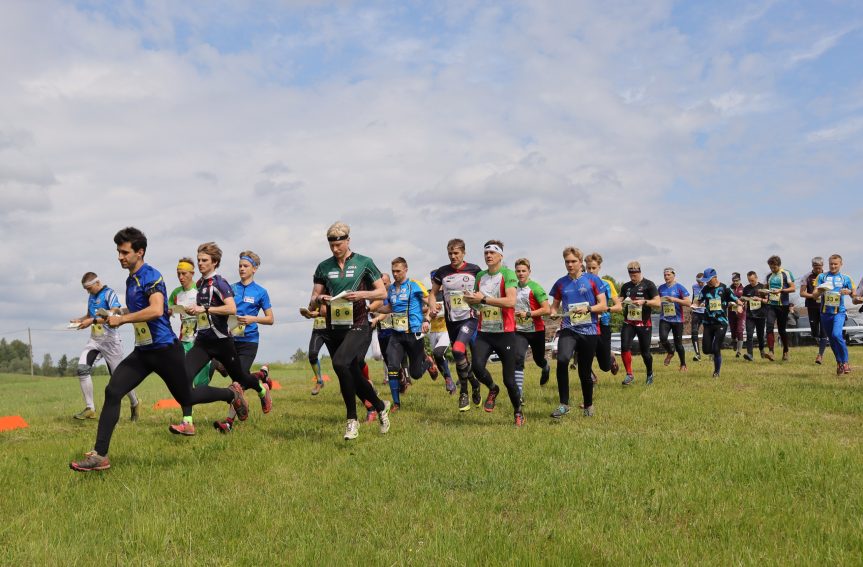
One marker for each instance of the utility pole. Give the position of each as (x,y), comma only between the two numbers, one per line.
(30,342)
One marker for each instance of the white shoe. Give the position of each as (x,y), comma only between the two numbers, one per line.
(352,430)
(384,417)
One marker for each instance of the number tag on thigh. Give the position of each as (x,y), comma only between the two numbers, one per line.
(143,337)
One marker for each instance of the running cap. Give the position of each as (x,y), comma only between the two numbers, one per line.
(709,274)
(735,276)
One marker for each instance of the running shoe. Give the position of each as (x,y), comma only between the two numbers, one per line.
(86,413)
(561,411)
(490,400)
(384,417)
(316,389)
(649,380)
(182,428)
(668,358)
(818,359)
(768,355)
(136,412)
(785,355)
(403,381)
(223,426)
(352,429)
(593,377)
(546,374)
(264,376)
(266,400)
(371,415)
(519,419)
(431,367)
(241,406)
(697,357)
(476,397)
(747,357)
(615,368)
(463,402)
(395,407)
(846,368)
(737,354)
(840,369)
(683,368)
(716,374)
(91,462)
(450,385)
(588,411)
(628,380)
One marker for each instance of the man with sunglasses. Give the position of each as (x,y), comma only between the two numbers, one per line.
(639,296)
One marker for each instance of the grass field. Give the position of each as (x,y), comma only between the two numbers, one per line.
(762,466)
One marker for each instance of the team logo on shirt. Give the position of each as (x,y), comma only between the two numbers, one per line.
(248,300)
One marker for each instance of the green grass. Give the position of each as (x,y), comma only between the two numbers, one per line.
(762,466)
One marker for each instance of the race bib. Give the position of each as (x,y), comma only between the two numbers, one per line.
(669,309)
(400,322)
(524,323)
(319,323)
(633,312)
(187,330)
(774,298)
(341,313)
(831,299)
(203,321)
(143,337)
(715,304)
(492,319)
(456,301)
(754,304)
(97,330)
(387,323)
(579,318)
(239,331)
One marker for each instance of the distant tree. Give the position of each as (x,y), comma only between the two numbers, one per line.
(62,365)
(47,365)
(299,356)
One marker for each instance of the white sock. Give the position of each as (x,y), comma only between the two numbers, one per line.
(87,389)
(133,398)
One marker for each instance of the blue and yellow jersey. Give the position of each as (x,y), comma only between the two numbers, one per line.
(776,281)
(156,333)
(832,301)
(406,302)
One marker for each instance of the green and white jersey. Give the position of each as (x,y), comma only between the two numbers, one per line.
(529,297)
(496,319)
(359,274)
(188,323)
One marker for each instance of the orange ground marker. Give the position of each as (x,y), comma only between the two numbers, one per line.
(170,403)
(276,385)
(10,422)
(325,378)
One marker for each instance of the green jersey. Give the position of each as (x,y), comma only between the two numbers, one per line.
(359,274)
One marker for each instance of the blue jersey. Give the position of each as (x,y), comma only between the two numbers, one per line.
(574,293)
(833,302)
(672,312)
(105,298)
(715,301)
(406,301)
(250,299)
(696,292)
(139,287)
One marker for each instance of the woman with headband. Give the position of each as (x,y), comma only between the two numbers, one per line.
(182,297)
(251,299)
(494,297)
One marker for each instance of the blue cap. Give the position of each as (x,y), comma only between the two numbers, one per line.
(709,274)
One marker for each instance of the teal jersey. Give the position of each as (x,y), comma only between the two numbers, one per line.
(781,279)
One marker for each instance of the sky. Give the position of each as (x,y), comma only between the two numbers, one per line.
(685,134)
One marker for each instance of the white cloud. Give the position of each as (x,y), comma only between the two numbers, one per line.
(837,133)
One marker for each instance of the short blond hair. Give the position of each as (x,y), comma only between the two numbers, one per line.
(634,265)
(523,262)
(256,260)
(338,229)
(574,251)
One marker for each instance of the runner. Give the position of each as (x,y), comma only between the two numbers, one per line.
(316,342)
(716,297)
(579,298)
(439,341)
(494,295)
(344,282)
(185,296)
(383,324)
(214,304)
(780,283)
(104,343)
(736,321)
(531,304)
(754,314)
(251,299)
(156,347)
(813,307)
(831,290)
(674,298)
(696,315)
(407,301)
(639,296)
(455,279)
(605,357)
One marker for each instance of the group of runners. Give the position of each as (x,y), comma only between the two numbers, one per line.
(471,310)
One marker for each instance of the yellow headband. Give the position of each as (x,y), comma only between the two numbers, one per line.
(186,267)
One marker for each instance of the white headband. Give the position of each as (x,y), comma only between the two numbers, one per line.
(493,248)
(91,282)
